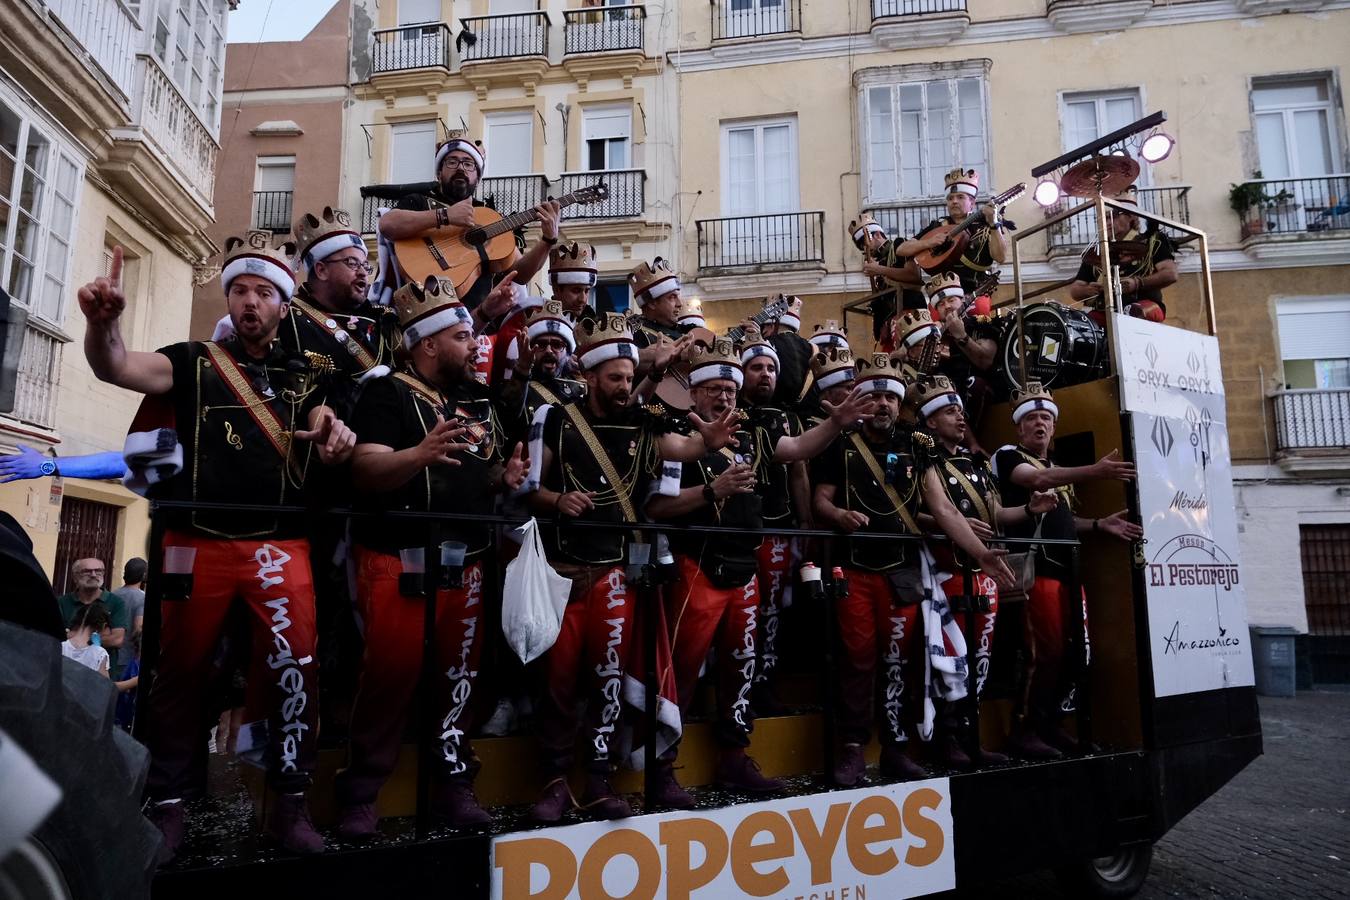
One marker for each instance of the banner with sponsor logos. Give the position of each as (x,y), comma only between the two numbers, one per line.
(891,841)
(1172,388)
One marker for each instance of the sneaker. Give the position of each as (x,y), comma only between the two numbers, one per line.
(457,805)
(947,752)
(897,765)
(849,766)
(669,793)
(738,771)
(358,822)
(555,800)
(170,818)
(290,826)
(503,719)
(601,800)
(1027,745)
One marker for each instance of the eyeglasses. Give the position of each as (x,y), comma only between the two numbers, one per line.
(718,391)
(463,165)
(355,265)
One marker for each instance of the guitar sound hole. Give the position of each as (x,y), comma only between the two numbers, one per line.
(475,236)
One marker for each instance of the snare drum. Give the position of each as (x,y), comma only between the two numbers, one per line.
(1063,347)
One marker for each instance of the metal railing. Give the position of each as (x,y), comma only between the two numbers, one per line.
(499,37)
(767,240)
(410,47)
(1172,202)
(884,9)
(175,130)
(513,193)
(626,198)
(599,29)
(109,31)
(1312,419)
(1296,205)
(754,18)
(370,207)
(39,375)
(272,210)
(905,219)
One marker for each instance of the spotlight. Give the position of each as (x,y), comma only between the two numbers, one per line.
(1046,193)
(1157,147)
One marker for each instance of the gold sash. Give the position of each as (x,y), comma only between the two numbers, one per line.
(351,344)
(891,494)
(257,407)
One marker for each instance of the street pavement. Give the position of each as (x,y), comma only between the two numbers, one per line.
(1281,828)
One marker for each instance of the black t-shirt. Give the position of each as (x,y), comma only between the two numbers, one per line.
(437,198)
(397,414)
(1158,247)
(796,389)
(902,458)
(1053,562)
(955,364)
(978,257)
(235,422)
(771,424)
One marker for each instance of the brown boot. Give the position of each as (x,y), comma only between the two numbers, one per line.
(1024,744)
(555,800)
(737,771)
(290,826)
(601,800)
(669,793)
(170,819)
(456,805)
(947,752)
(896,765)
(358,822)
(849,766)
(984,758)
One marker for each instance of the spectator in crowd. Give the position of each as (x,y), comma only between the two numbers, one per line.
(87,575)
(79,644)
(126,688)
(132,593)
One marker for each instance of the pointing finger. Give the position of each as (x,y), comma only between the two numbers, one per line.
(115,269)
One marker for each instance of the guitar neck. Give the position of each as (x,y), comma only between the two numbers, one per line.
(977,214)
(758,318)
(523,218)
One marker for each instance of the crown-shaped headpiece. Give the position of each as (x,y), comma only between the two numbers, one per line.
(878,374)
(930,393)
(962,181)
(914,326)
(859,227)
(652,280)
(256,254)
(427,308)
(572,264)
(792,317)
(549,318)
(832,366)
(604,338)
(319,237)
(829,334)
(718,361)
(753,345)
(1033,396)
(943,284)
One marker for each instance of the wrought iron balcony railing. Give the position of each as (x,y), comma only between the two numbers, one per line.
(1312,419)
(503,36)
(907,218)
(600,29)
(1296,205)
(410,47)
(109,31)
(885,9)
(272,210)
(1172,202)
(626,195)
(513,193)
(764,241)
(39,376)
(754,18)
(175,129)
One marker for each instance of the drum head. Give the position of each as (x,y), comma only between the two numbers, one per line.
(1063,347)
(1107,175)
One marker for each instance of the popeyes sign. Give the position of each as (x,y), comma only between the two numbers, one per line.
(887,842)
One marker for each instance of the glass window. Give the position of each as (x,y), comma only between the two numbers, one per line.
(412,153)
(1295,136)
(919,131)
(608,138)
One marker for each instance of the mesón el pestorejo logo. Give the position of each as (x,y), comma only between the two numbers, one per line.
(1190,561)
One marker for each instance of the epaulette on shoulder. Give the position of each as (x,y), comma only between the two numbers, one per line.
(924,440)
(320,363)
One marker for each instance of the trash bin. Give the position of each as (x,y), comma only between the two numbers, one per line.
(1273,660)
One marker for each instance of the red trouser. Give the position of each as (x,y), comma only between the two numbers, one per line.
(1049,693)
(589,655)
(983,637)
(698,612)
(775,577)
(871,625)
(273,579)
(393,665)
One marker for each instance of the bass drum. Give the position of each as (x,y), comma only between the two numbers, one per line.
(1063,347)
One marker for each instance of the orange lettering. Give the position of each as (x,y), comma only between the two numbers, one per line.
(681,879)
(745,854)
(922,827)
(819,845)
(621,842)
(860,834)
(515,857)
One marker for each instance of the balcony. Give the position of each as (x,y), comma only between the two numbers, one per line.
(754,252)
(906,24)
(370,208)
(1076,16)
(272,211)
(907,218)
(410,47)
(108,32)
(735,19)
(626,198)
(39,376)
(606,41)
(513,193)
(509,50)
(1301,217)
(1312,429)
(1067,239)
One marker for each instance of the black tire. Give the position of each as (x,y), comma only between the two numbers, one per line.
(1120,874)
(61,713)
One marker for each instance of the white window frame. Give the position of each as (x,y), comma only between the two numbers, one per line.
(1099,98)
(1335,124)
(406,20)
(394,131)
(919,73)
(608,111)
(759,125)
(509,117)
(1326,332)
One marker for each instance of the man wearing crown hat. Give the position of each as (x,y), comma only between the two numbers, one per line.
(969,344)
(1022,469)
(548,344)
(796,388)
(573,273)
(255,420)
(591,460)
(833,372)
(429,443)
(893,277)
(878,479)
(917,339)
(716,594)
(1147,265)
(656,289)
(971,486)
(460,164)
(988,244)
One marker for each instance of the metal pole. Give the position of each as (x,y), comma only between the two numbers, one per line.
(972,661)
(426,689)
(1082,680)
(152,625)
(828,677)
(1207,286)
(647,599)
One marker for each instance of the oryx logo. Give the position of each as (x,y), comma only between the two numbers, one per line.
(1193,361)
(1162,435)
(1200,424)
(1151,354)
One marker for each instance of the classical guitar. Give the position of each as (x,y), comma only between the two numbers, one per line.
(956,237)
(673,389)
(457,253)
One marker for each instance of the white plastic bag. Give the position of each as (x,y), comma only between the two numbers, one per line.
(534,597)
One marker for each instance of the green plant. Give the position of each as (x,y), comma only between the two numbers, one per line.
(1243,197)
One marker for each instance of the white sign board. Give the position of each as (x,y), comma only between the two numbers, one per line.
(1197,612)
(890,841)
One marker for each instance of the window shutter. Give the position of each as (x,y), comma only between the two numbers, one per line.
(1314,328)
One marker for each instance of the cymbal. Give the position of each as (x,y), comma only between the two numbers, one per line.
(1120,251)
(1108,175)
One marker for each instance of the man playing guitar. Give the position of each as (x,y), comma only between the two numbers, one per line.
(1147,265)
(893,277)
(459,168)
(988,244)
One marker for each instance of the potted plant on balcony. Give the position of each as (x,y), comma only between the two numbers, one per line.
(1251,195)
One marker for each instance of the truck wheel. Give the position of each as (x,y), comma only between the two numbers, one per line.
(61,714)
(1121,874)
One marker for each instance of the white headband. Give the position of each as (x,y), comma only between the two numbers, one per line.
(550,325)
(597,355)
(941,402)
(692,318)
(573,276)
(828,339)
(963,187)
(282,279)
(922,334)
(332,244)
(1020,411)
(790,320)
(714,371)
(863,229)
(660,289)
(836,377)
(952,291)
(882,384)
(448,317)
(754,350)
(465,146)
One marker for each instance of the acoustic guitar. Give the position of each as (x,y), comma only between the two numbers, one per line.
(673,389)
(453,251)
(956,237)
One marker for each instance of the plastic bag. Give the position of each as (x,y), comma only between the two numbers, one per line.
(534,598)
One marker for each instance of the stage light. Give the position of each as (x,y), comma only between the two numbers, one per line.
(1157,147)
(1047,192)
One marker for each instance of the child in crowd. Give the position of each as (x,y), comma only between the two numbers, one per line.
(80,644)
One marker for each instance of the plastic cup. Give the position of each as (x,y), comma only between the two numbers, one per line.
(452,554)
(179,560)
(413,560)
